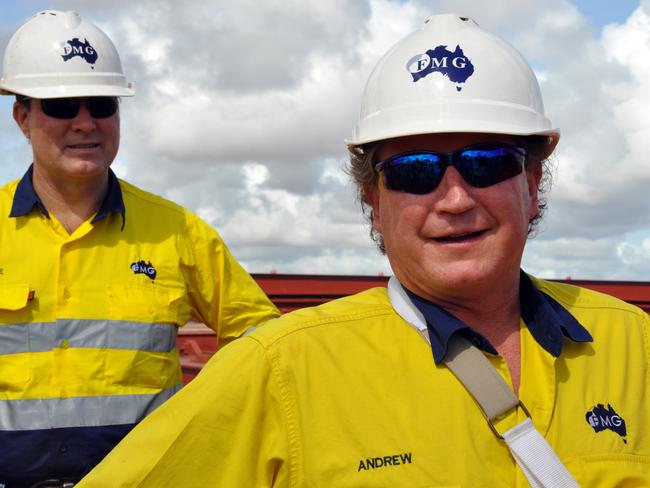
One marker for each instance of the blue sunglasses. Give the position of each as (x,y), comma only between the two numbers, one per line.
(480,165)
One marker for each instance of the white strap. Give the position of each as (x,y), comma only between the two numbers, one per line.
(536,458)
(533,454)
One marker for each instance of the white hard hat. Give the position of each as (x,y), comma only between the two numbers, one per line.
(451,76)
(60,54)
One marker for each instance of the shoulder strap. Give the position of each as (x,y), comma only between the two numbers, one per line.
(483,382)
(533,454)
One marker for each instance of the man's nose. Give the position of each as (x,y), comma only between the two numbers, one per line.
(454,194)
(84,121)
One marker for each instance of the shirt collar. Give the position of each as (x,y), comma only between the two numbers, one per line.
(548,322)
(113,201)
(25,198)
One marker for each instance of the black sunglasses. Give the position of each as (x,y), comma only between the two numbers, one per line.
(68,108)
(480,165)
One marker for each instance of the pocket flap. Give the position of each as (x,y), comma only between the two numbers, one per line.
(14,297)
(145,303)
(133,294)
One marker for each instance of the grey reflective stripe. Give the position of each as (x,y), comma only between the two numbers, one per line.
(109,334)
(90,411)
(13,338)
(35,336)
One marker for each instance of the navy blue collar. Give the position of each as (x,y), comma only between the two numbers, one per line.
(26,198)
(547,320)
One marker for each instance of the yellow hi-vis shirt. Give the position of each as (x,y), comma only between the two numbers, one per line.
(347,395)
(88,322)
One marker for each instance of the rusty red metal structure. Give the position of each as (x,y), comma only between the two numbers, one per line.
(197,343)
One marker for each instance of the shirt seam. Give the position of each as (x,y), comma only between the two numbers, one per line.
(645,324)
(151,198)
(288,406)
(337,320)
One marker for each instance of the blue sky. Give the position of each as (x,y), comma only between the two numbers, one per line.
(603,12)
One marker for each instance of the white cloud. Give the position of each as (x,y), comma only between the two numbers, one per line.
(242,108)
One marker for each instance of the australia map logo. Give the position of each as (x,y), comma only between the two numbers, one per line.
(601,418)
(452,64)
(74,47)
(144,268)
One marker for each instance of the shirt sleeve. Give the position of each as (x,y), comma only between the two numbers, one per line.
(226,428)
(222,294)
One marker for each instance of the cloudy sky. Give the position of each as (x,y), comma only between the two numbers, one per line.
(242,107)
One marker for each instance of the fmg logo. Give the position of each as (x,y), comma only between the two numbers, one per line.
(601,418)
(76,48)
(146,269)
(454,65)
(422,61)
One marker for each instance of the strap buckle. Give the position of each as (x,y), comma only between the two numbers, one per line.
(495,431)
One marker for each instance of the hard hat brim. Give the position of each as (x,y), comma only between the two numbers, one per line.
(69,91)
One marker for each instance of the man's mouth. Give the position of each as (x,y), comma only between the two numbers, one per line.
(88,145)
(466,236)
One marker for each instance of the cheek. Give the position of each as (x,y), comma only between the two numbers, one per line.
(116,141)
(524,197)
(41,139)
(401,218)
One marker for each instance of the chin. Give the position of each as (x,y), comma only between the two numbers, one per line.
(87,167)
(469,275)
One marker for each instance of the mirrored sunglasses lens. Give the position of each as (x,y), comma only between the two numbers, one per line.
(413,173)
(102,107)
(486,167)
(61,108)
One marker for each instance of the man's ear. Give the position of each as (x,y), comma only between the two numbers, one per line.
(371,193)
(21,116)
(534,176)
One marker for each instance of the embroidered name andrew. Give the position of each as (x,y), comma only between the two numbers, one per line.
(382,462)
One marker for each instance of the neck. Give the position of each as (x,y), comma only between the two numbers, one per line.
(72,202)
(495,319)
(499,323)
(494,312)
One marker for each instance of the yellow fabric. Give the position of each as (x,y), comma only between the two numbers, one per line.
(348,395)
(88,275)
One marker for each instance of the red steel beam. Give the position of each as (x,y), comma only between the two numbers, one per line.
(197,343)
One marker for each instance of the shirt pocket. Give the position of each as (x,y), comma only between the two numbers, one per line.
(15,363)
(612,470)
(141,337)
(13,297)
(152,304)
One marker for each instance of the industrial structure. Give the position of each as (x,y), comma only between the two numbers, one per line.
(198,343)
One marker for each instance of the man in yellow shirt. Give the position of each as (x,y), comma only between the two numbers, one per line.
(449,157)
(97,275)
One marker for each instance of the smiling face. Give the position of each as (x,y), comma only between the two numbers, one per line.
(457,241)
(69,149)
